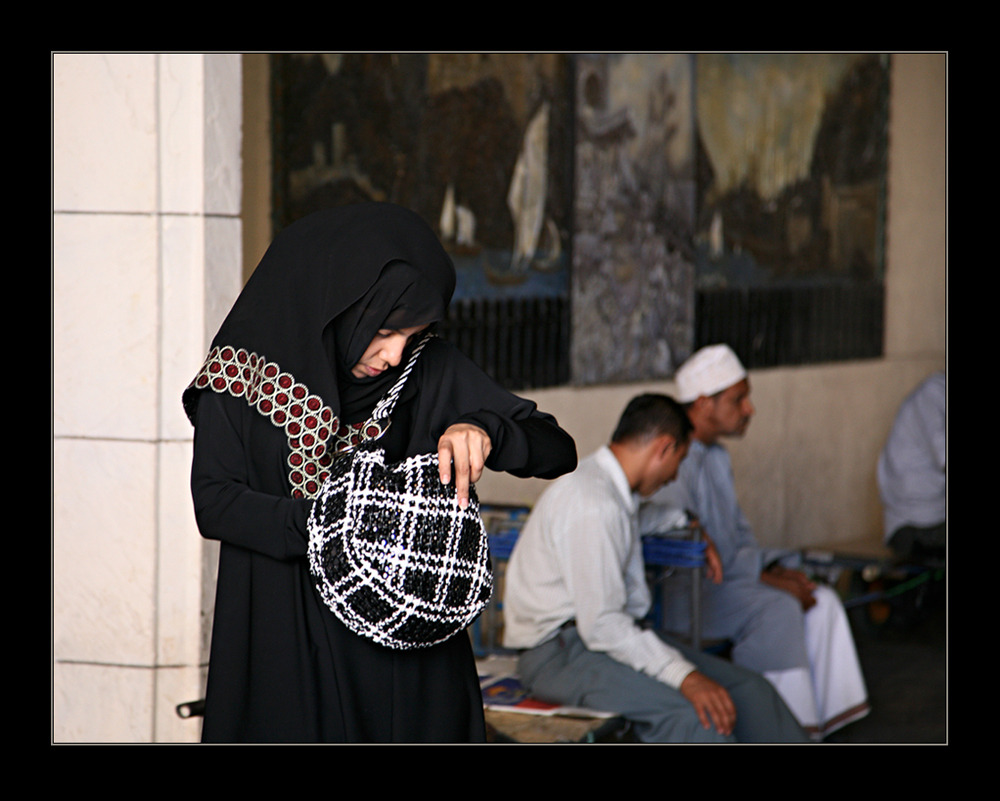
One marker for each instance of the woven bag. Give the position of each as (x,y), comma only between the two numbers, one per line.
(392,553)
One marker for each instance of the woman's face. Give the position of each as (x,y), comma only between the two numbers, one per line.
(385,351)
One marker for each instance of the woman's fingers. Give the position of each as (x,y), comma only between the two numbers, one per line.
(464,449)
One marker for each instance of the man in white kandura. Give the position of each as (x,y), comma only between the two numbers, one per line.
(782,624)
(576,595)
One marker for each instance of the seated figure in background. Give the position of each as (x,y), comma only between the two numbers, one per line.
(911,473)
(780,622)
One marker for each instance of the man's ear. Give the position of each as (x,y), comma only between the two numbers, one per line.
(666,444)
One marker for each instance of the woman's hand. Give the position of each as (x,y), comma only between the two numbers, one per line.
(467,446)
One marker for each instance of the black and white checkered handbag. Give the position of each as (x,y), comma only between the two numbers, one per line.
(392,553)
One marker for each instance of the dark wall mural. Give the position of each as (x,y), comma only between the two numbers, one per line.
(791,204)
(609,213)
(793,168)
(480,145)
(477,144)
(633,258)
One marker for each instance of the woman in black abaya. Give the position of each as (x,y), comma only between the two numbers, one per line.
(321,331)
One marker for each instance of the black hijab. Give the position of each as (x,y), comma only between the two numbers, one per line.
(330,265)
(324,288)
(401,298)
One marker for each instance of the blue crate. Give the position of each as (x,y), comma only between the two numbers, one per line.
(658,549)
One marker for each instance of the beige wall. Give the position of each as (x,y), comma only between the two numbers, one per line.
(256,156)
(806,468)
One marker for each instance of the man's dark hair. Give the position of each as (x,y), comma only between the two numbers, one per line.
(649,416)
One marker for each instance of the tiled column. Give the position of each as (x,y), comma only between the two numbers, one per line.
(146,261)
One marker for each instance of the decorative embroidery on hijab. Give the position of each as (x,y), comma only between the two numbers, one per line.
(315,435)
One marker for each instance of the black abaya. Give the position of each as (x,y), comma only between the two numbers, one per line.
(283,668)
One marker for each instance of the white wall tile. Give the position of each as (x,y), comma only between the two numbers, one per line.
(105,318)
(179,562)
(200,113)
(102,704)
(104,551)
(182,132)
(104,132)
(223,133)
(183,332)
(223,274)
(177,686)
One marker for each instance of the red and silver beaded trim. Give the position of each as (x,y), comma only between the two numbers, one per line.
(315,435)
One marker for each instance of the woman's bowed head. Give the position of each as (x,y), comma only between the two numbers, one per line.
(464,445)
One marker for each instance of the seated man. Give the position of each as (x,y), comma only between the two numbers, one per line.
(911,473)
(782,624)
(576,592)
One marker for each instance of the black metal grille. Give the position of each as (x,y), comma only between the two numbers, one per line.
(524,343)
(770,326)
(519,342)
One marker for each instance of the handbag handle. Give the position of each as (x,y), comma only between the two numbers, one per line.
(385,406)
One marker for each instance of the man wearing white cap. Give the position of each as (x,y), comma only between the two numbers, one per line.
(782,625)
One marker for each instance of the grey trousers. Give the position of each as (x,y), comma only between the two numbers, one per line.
(564,671)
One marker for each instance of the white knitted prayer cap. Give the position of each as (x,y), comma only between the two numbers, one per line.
(710,370)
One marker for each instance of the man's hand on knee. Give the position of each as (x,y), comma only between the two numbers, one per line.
(794,582)
(711,701)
